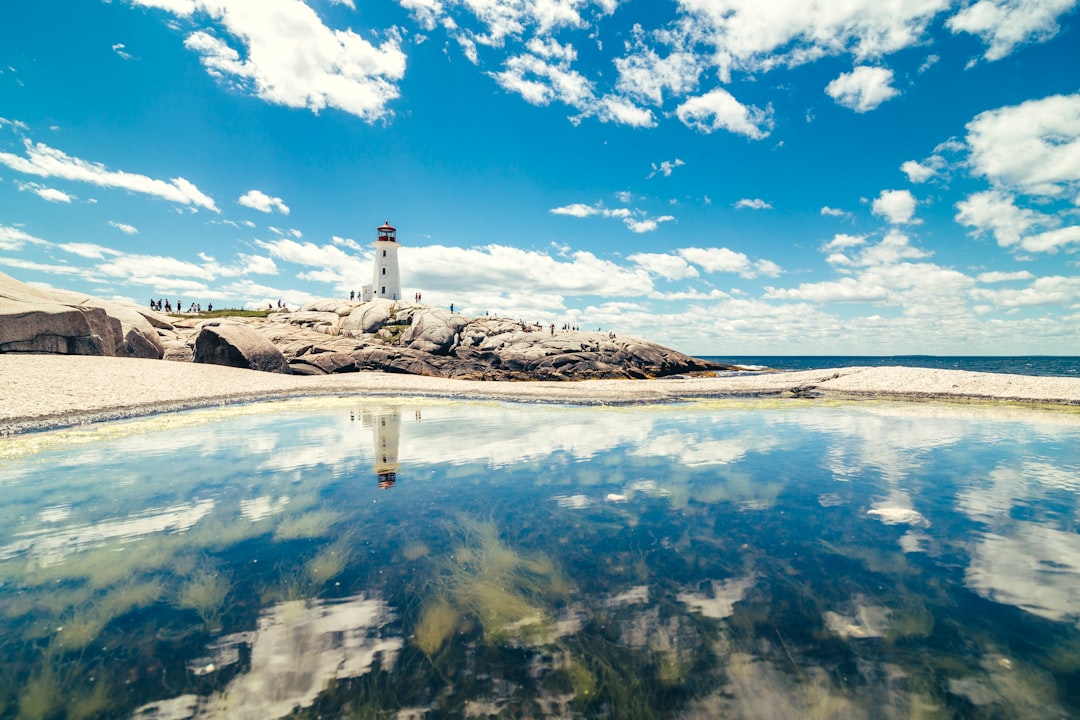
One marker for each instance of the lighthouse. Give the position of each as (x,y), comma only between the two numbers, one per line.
(386,280)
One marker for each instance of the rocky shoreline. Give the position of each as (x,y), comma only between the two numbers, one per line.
(328,337)
(68,359)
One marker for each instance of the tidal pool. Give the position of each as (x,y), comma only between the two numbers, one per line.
(427,559)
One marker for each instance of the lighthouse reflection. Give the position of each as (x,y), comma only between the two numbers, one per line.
(385,424)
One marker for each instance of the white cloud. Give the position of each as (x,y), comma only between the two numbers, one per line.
(842,241)
(458,270)
(636,220)
(719,110)
(258,200)
(757,36)
(290,57)
(713,260)
(917,172)
(996,212)
(666,167)
(118,48)
(886,274)
(577,210)
(834,212)
(648,224)
(669,267)
(87,250)
(996,277)
(646,77)
(545,76)
(753,204)
(862,89)
(12,238)
(1052,240)
(45,193)
(1005,24)
(611,108)
(896,206)
(124,227)
(1051,290)
(45,161)
(1033,147)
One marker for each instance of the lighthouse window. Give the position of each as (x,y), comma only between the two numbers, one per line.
(384,253)
(384,271)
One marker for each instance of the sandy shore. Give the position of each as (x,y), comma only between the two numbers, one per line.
(46,391)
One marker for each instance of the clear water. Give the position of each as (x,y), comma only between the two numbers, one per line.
(728,559)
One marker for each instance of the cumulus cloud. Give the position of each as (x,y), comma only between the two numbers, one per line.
(545,75)
(646,77)
(842,241)
(719,110)
(713,260)
(753,204)
(996,212)
(523,271)
(918,172)
(1033,148)
(758,36)
(862,89)
(1050,290)
(669,267)
(287,56)
(1006,24)
(996,276)
(647,224)
(44,161)
(888,272)
(258,200)
(896,206)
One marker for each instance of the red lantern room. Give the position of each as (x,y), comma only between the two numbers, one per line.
(387,232)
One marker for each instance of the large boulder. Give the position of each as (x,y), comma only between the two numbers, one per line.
(238,345)
(45,320)
(368,318)
(434,331)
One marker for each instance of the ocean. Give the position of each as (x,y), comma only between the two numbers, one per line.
(1042,365)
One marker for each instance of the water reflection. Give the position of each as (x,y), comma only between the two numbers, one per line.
(385,424)
(716,559)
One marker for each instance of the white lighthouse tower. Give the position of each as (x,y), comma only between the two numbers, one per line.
(386,280)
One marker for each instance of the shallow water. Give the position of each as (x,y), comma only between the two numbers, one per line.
(331,558)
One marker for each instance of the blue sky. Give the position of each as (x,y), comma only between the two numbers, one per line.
(723,176)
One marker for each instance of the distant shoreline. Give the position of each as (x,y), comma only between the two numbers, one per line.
(41,392)
(1035,365)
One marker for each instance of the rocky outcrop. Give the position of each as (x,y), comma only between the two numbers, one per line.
(330,336)
(420,340)
(237,345)
(59,321)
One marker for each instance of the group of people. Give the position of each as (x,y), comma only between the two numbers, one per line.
(166,306)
